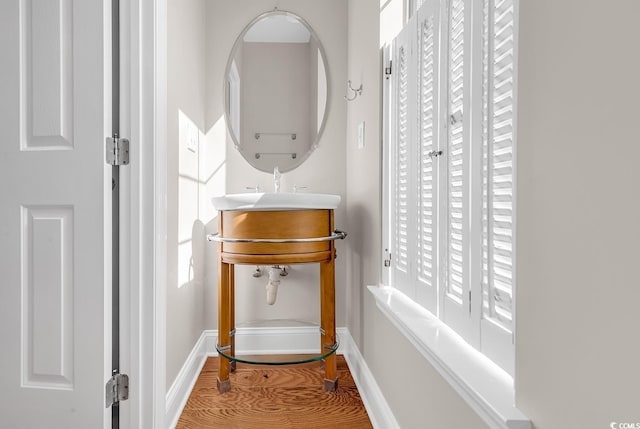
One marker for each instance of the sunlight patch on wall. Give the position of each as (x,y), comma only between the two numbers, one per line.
(188,190)
(213,170)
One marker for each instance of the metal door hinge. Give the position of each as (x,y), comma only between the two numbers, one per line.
(387,258)
(117,150)
(117,389)
(387,70)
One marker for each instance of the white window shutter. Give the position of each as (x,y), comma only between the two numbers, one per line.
(498,178)
(402,164)
(403,235)
(428,158)
(498,163)
(456,154)
(455,245)
(451,168)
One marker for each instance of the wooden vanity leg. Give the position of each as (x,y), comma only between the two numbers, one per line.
(232,315)
(224,325)
(328,323)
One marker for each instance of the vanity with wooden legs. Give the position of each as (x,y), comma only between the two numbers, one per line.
(276,237)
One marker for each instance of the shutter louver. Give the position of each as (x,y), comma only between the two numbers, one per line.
(455,154)
(498,167)
(402,166)
(427,207)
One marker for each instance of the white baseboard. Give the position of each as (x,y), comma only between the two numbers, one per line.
(179,392)
(377,407)
(286,340)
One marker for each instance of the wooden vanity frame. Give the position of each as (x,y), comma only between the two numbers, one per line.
(275,225)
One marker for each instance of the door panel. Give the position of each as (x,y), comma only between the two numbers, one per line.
(47,297)
(54,213)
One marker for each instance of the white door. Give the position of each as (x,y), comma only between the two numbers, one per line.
(55,271)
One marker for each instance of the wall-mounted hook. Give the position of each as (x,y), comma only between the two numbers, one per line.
(356,92)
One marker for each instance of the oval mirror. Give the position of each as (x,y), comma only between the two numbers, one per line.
(276,91)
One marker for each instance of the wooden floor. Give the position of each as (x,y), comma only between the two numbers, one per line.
(264,396)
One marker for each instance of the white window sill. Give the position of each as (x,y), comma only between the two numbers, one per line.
(482,384)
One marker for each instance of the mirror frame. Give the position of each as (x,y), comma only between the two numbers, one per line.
(300,159)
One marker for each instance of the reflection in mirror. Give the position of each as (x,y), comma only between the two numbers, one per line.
(276,91)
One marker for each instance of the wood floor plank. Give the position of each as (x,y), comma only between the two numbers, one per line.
(264,396)
(312,418)
(310,377)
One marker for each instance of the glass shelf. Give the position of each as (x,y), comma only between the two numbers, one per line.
(331,350)
(279,323)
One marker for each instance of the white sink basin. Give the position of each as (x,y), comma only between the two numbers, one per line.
(276,201)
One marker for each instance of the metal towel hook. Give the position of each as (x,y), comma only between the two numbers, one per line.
(356,92)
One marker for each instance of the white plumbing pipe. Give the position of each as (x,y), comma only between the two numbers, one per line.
(272,285)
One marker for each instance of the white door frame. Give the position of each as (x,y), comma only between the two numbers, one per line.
(143,211)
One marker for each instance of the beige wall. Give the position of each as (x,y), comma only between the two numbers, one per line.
(185,118)
(577,301)
(323,171)
(578,291)
(363,175)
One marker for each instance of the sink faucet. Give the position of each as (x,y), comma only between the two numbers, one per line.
(276,179)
